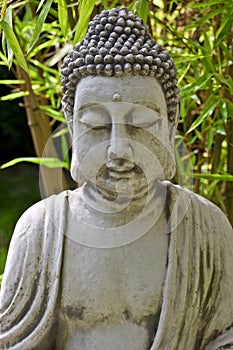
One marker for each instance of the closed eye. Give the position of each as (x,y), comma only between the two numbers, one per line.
(144,117)
(146,123)
(100,127)
(96,126)
(97,119)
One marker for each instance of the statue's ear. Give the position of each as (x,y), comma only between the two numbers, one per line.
(69,123)
(173,125)
(68,117)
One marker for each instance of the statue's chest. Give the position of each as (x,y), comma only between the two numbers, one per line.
(106,282)
(113,287)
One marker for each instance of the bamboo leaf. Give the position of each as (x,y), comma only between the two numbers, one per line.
(10,82)
(223,110)
(42,46)
(3,42)
(184,73)
(63,16)
(10,22)
(5,45)
(14,44)
(14,95)
(225,26)
(85,11)
(207,43)
(143,10)
(187,58)
(66,153)
(211,177)
(48,162)
(210,138)
(104,3)
(208,65)
(3,59)
(53,113)
(206,4)
(228,82)
(220,129)
(44,67)
(210,15)
(64,147)
(4,8)
(40,5)
(196,85)
(133,6)
(207,111)
(39,24)
(219,177)
(58,55)
(61,132)
(113,4)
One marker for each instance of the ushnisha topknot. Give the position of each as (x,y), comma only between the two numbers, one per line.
(118,44)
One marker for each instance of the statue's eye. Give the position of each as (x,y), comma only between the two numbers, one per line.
(145,124)
(100,127)
(95,120)
(145,117)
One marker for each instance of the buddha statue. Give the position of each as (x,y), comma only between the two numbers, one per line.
(128,260)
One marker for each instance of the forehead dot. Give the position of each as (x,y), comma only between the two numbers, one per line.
(116,97)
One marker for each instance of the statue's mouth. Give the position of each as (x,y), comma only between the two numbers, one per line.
(121,169)
(124,180)
(120,173)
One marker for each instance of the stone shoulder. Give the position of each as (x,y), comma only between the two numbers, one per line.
(32,220)
(204,204)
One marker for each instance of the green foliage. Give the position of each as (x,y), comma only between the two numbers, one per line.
(85,11)
(13,44)
(19,187)
(200,39)
(40,23)
(49,162)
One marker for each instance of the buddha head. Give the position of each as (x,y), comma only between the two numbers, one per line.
(121,103)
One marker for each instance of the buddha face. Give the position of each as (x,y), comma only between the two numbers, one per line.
(121,134)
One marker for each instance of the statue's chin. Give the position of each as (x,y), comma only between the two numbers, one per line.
(121,189)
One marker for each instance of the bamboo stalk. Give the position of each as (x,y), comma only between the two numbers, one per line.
(217,150)
(53,180)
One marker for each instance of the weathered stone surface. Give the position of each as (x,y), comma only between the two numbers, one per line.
(128,260)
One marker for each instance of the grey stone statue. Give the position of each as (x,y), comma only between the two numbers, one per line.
(128,261)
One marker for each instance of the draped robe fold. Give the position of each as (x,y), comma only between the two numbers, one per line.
(197,306)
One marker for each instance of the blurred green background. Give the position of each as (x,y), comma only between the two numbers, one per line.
(19,188)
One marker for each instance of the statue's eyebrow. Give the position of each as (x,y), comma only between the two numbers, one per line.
(89,105)
(150,105)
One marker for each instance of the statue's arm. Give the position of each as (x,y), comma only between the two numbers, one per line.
(20,278)
(19,262)
(28,298)
(224,303)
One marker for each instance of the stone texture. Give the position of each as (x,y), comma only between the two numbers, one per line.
(128,260)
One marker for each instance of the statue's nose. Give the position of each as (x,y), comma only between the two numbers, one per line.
(119,147)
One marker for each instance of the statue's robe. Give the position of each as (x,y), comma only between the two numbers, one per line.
(197,306)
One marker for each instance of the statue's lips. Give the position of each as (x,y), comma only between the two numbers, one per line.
(121,173)
(124,171)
